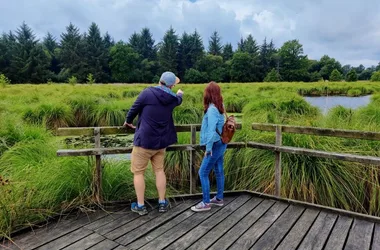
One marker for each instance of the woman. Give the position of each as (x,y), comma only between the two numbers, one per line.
(213,121)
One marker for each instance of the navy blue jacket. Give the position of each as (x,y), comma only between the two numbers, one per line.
(155,126)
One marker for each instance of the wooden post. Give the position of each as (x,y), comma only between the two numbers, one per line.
(193,141)
(278,162)
(98,169)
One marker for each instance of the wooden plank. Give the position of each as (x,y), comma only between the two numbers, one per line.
(376,238)
(145,238)
(360,235)
(209,224)
(339,233)
(123,229)
(187,225)
(354,134)
(319,232)
(105,245)
(279,229)
(249,238)
(193,155)
(127,150)
(218,231)
(316,153)
(299,230)
(86,242)
(53,231)
(105,220)
(154,223)
(239,228)
(66,240)
(277,162)
(117,130)
(97,192)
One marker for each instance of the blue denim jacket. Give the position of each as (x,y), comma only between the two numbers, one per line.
(211,120)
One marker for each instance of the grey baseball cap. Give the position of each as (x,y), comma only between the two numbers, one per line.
(169,79)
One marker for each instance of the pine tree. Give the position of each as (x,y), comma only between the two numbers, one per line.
(241,45)
(167,54)
(51,46)
(184,54)
(146,45)
(250,46)
(135,41)
(96,54)
(227,52)
(108,41)
(72,54)
(28,58)
(273,76)
(7,45)
(336,76)
(352,76)
(197,49)
(215,45)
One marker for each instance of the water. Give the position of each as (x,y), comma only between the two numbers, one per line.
(325,103)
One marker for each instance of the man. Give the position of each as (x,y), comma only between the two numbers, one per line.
(155,131)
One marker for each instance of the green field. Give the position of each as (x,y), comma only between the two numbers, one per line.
(35,184)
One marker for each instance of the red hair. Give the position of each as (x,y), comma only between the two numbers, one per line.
(212,94)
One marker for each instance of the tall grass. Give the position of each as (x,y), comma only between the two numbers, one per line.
(40,185)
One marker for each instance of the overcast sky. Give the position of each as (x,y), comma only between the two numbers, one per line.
(346,30)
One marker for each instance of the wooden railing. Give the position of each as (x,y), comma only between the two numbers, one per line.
(277,148)
(98,151)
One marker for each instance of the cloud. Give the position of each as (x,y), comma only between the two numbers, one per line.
(346,30)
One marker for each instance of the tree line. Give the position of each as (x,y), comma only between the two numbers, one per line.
(96,56)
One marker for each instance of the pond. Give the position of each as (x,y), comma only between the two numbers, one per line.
(325,103)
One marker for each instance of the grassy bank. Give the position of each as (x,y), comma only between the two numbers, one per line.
(35,184)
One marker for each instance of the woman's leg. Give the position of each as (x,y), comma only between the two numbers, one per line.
(219,171)
(204,172)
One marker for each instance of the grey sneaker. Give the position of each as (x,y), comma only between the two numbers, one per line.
(216,202)
(140,210)
(201,206)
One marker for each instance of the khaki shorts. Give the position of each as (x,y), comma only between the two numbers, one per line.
(141,156)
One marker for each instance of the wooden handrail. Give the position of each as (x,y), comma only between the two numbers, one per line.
(341,133)
(89,131)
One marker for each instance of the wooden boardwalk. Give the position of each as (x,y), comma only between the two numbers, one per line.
(246,221)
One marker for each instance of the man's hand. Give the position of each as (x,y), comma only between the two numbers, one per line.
(179,92)
(128,125)
(208,153)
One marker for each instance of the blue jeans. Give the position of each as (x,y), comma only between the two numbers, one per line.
(214,162)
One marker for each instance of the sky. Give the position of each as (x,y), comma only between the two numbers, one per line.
(346,30)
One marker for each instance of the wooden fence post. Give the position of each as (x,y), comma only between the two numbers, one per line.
(278,162)
(98,169)
(193,141)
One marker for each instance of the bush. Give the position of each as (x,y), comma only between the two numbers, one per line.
(336,76)
(375,76)
(4,81)
(352,76)
(273,76)
(90,79)
(73,80)
(195,76)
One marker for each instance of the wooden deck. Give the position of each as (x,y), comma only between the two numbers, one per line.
(247,221)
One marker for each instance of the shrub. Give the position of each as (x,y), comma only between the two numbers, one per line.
(273,76)
(336,76)
(90,79)
(73,80)
(375,76)
(352,76)
(4,81)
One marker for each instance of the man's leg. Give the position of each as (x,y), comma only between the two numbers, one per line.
(139,162)
(158,167)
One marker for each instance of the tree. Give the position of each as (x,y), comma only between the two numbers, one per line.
(352,76)
(360,69)
(227,52)
(215,44)
(212,67)
(195,76)
(243,68)
(72,54)
(197,50)
(273,76)
(378,67)
(267,56)
(294,64)
(184,54)
(336,76)
(29,62)
(51,46)
(147,49)
(135,41)
(108,41)
(315,76)
(345,69)
(96,55)
(125,63)
(375,76)
(328,65)
(250,46)
(167,54)
(7,48)
(366,74)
